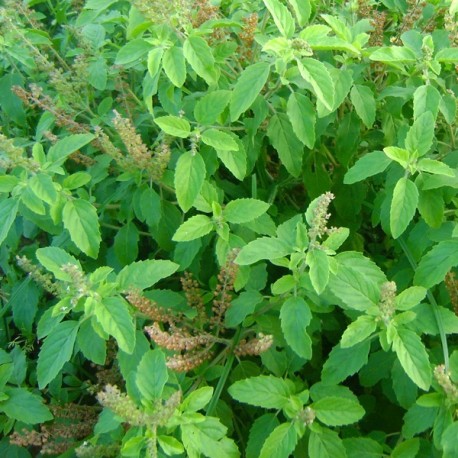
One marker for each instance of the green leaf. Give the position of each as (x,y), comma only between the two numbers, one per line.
(132,52)
(417,420)
(210,106)
(219,140)
(406,449)
(97,71)
(400,155)
(8,183)
(393,54)
(283,139)
(435,264)
(154,61)
(173,125)
(357,281)
(281,16)
(447,55)
(195,227)
(262,248)
(362,447)
(431,207)
(343,362)
(91,344)
(241,211)
(403,206)
(144,274)
(326,444)
(358,331)
(68,145)
(363,100)
(281,441)
(126,243)
(295,316)
(190,174)
(76,180)
(337,411)
(241,307)
(263,391)
(170,445)
(197,399)
(247,88)
(302,10)
(207,437)
(43,187)
(449,442)
(410,297)
(21,405)
(56,350)
(420,135)
(174,65)
(262,427)
(113,315)
(413,357)
(447,107)
(435,167)
(8,211)
(234,161)
(317,75)
(152,375)
(426,98)
(53,258)
(318,263)
(199,55)
(82,222)
(302,116)
(368,165)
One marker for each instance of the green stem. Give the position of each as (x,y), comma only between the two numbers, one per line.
(227,368)
(432,301)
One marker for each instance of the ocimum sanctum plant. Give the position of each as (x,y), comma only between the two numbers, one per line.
(228,228)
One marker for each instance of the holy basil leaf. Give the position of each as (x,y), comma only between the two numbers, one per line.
(174,65)
(190,174)
(241,211)
(113,315)
(288,146)
(302,116)
(173,125)
(281,442)
(336,411)
(144,274)
(281,16)
(436,263)
(318,262)
(403,206)
(317,75)
(53,258)
(326,444)
(247,88)
(262,248)
(23,406)
(152,375)
(413,357)
(370,164)
(295,316)
(420,136)
(81,220)
(358,331)
(263,391)
(363,100)
(8,211)
(195,227)
(200,57)
(57,349)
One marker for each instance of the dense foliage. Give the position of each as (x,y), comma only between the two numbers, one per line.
(228,228)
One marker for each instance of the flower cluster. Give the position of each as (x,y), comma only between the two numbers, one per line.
(246,36)
(122,405)
(451,283)
(12,156)
(254,346)
(44,279)
(386,303)
(443,378)
(72,423)
(318,225)
(306,416)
